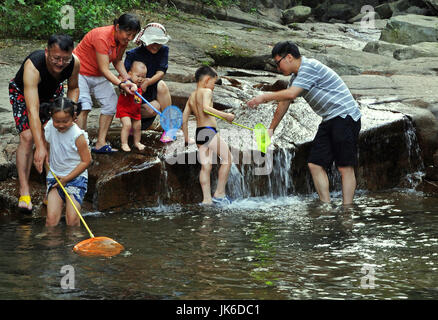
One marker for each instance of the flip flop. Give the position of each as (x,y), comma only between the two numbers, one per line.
(105,149)
(27,200)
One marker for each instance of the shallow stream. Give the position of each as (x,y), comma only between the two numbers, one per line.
(383,247)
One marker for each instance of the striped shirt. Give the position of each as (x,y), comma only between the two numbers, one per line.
(324,90)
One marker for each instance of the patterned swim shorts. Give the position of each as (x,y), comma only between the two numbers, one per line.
(76,188)
(16,97)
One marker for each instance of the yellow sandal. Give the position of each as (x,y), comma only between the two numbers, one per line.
(27,200)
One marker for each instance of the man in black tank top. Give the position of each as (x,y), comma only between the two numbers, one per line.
(40,79)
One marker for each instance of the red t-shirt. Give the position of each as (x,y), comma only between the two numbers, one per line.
(97,40)
(129,106)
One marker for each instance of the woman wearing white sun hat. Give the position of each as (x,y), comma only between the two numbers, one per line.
(155,55)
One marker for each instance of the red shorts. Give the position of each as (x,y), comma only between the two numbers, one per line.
(16,97)
(127,106)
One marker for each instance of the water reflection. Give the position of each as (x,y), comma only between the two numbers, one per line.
(257,248)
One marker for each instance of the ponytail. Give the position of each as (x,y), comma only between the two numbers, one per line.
(60,104)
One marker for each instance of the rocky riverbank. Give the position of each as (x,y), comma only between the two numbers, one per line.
(395,84)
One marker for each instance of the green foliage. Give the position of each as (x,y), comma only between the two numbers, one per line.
(220,3)
(92,14)
(229,49)
(39,19)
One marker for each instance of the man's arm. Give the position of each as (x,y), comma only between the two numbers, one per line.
(73,82)
(279,113)
(31,78)
(286,94)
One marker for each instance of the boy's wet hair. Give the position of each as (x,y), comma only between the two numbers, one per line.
(205,71)
(283,48)
(65,42)
(47,109)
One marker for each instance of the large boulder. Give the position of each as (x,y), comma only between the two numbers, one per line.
(296,14)
(422,49)
(432,4)
(231,13)
(383,48)
(385,10)
(340,10)
(410,29)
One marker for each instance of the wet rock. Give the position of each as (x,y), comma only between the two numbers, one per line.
(5,167)
(385,163)
(426,126)
(435,159)
(409,29)
(276,86)
(431,173)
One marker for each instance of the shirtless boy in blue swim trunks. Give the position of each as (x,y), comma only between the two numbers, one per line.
(207,137)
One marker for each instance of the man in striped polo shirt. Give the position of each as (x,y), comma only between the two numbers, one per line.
(338,133)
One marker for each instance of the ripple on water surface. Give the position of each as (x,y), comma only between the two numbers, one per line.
(382,247)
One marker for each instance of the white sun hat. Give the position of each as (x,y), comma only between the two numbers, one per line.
(152,33)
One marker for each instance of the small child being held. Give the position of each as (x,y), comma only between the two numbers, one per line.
(207,137)
(129,109)
(69,158)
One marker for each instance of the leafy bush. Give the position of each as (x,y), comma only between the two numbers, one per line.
(39,19)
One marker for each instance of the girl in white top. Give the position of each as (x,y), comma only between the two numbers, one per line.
(69,159)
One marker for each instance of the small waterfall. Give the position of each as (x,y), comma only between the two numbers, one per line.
(165,189)
(281,180)
(244,182)
(415,169)
(238,183)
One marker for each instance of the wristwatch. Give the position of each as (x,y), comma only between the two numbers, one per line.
(119,85)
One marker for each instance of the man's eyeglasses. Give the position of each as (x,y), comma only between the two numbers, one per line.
(278,62)
(60,59)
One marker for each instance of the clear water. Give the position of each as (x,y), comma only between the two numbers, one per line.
(383,247)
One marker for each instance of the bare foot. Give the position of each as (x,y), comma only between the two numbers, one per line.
(125,147)
(140,146)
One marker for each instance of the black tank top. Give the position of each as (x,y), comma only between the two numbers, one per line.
(48,84)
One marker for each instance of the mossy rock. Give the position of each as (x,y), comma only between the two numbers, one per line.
(410,29)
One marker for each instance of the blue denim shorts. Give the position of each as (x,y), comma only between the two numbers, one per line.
(76,188)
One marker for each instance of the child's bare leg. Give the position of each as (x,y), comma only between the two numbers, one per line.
(136,127)
(71,216)
(220,147)
(54,208)
(205,156)
(124,134)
